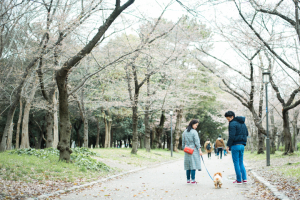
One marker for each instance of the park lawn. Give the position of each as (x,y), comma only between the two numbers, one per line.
(141,159)
(29,168)
(286,166)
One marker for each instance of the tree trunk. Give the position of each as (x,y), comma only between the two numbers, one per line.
(153,138)
(134,130)
(295,129)
(178,128)
(64,124)
(55,125)
(107,122)
(86,132)
(9,121)
(272,132)
(49,129)
(252,140)
(260,147)
(146,119)
(147,130)
(98,133)
(106,145)
(287,134)
(111,136)
(18,125)
(278,141)
(77,126)
(25,134)
(160,129)
(142,141)
(25,138)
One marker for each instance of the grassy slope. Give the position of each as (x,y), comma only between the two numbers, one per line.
(31,168)
(288,166)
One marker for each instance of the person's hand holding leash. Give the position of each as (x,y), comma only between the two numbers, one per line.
(200,152)
(227,149)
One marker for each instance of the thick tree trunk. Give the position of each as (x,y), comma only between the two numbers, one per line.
(77,126)
(153,138)
(10,134)
(160,129)
(107,122)
(142,141)
(64,124)
(98,133)
(295,129)
(9,121)
(18,125)
(86,132)
(287,134)
(260,147)
(25,138)
(49,129)
(134,130)
(38,140)
(178,128)
(55,125)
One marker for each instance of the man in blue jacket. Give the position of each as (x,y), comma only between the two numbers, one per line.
(237,140)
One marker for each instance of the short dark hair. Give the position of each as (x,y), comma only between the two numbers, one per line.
(230,114)
(207,139)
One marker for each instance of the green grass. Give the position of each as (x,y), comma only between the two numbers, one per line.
(142,158)
(30,168)
(34,167)
(293,171)
(287,165)
(278,154)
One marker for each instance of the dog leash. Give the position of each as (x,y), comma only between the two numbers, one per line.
(206,169)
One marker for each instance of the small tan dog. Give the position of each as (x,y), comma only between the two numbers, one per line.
(218,180)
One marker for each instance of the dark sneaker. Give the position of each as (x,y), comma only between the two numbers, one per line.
(188,181)
(245,182)
(237,182)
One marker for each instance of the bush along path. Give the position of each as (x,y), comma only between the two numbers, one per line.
(31,173)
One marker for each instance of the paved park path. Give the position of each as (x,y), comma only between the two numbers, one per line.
(168,181)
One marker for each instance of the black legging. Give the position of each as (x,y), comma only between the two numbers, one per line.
(220,152)
(209,154)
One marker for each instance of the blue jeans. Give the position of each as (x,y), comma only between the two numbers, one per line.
(190,173)
(225,152)
(237,152)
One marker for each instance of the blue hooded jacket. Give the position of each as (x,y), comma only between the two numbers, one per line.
(238,131)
